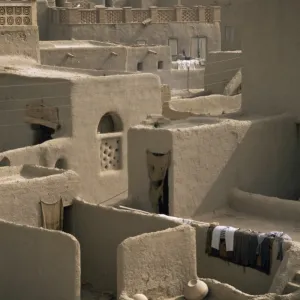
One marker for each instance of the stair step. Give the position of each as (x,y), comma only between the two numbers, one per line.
(291,287)
(297,277)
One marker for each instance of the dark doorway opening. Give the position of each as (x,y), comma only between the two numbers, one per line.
(158,172)
(41,134)
(59,3)
(108,3)
(163,203)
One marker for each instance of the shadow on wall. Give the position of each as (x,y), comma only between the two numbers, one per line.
(263,161)
(4,162)
(61,163)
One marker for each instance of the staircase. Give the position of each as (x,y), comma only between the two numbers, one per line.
(293,285)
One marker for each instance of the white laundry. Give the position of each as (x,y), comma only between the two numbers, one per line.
(216,234)
(229,237)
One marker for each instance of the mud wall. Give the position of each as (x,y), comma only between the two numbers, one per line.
(208,105)
(38,264)
(211,159)
(19,91)
(260,205)
(20,40)
(151,263)
(99,231)
(220,68)
(274,88)
(182,79)
(130,33)
(128,100)
(22,189)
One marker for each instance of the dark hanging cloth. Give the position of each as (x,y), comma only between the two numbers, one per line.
(245,250)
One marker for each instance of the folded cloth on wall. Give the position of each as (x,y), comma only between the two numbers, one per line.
(223,232)
(210,230)
(229,237)
(279,237)
(245,251)
(216,236)
(245,245)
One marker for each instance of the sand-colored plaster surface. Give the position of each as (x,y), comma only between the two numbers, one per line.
(230,217)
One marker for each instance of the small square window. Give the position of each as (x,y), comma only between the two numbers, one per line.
(160,65)
(140,66)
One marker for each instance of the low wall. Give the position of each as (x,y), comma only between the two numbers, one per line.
(20,40)
(101,229)
(157,264)
(213,105)
(259,205)
(180,80)
(235,275)
(22,189)
(45,154)
(38,264)
(99,58)
(220,67)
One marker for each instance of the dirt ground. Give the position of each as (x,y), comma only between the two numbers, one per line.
(229,217)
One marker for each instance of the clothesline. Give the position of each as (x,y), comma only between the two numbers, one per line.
(245,247)
(189,64)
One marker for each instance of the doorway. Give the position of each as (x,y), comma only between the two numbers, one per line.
(158,173)
(108,3)
(163,202)
(41,134)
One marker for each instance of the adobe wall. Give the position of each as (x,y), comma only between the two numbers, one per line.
(181,79)
(38,264)
(220,68)
(20,40)
(17,92)
(219,157)
(132,98)
(99,230)
(213,105)
(101,58)
(149,60)
(141,139)
(259,205)
(90,223)
(157,34)
(98,58)
(46,154)
(231,15)
(42,18)
(210,159)
(274,88)
(157,264)
(24,207)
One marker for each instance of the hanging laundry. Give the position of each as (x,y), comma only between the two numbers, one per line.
(52,215)
(216,235)
(229,237)
(279,237)
(245,245)
(223,232)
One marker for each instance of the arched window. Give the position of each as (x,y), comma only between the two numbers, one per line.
(110,122)
(110,132)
